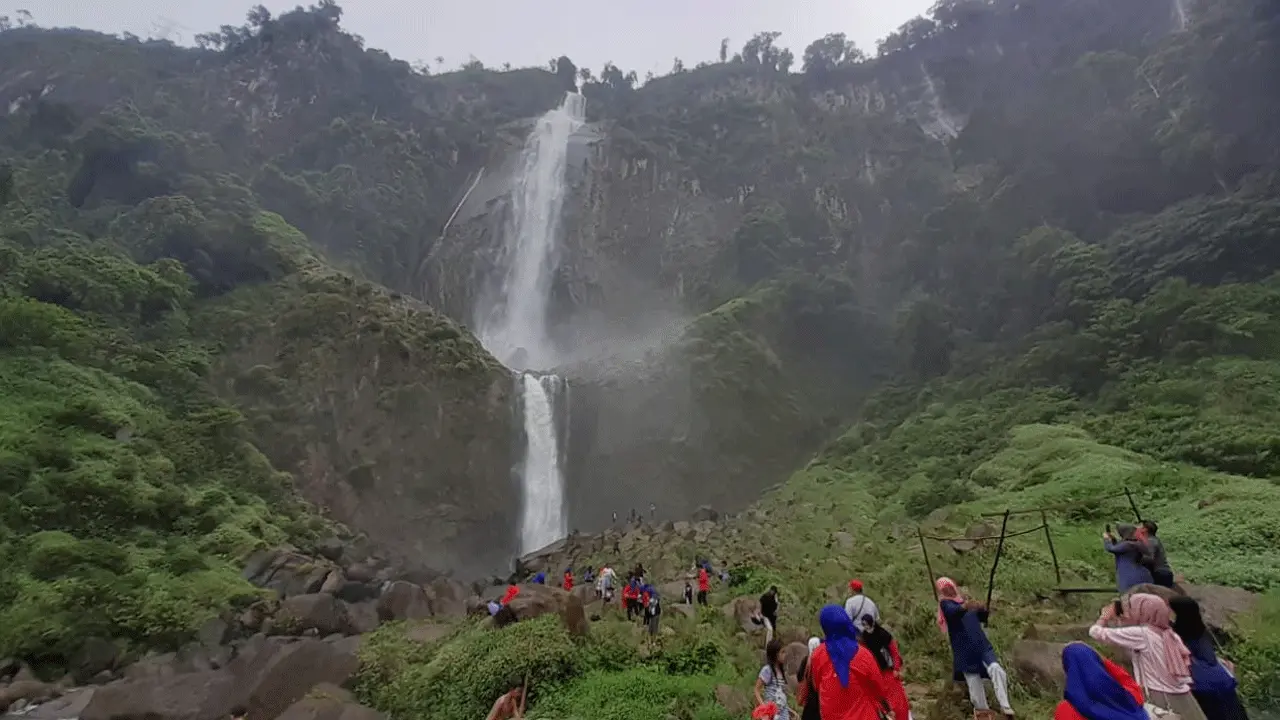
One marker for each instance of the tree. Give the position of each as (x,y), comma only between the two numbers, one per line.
(760,50)
(473,64)
(615,79)
(830,52)
(258,17)
(586,76)
(677,67)
(567,72)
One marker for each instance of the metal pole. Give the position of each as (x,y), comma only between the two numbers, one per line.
(1048,537)
(1133,505)
(927,565)
(991,581)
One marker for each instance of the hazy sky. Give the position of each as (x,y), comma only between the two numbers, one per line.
(645,35)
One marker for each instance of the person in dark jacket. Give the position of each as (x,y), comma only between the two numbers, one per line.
(810,709)
(1161,573)
(1132,556)
(769,612)
(1213,684)
(973,657)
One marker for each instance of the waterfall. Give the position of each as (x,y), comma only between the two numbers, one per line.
(542,517)
(1180,13)
(513,324)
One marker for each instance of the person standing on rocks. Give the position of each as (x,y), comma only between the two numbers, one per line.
(704,584)
(510,705)
(858,604)
(769,612)
(973,657)
(568,580)
(652,610)
(1161,573)
(1132,556)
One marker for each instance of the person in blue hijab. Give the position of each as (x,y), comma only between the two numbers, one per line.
(847,678)
(841,640)
(540,578)
(1097,689)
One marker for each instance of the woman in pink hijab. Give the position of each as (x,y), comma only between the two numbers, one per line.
(1161,661)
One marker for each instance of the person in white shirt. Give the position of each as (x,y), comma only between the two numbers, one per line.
(858,605)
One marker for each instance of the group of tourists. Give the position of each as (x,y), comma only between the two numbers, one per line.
(855,671)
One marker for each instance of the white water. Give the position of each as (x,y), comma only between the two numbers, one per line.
(1180,13)
(542,517)
(515,328)
(513,324)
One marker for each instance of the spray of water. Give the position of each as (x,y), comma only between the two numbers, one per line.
(513,323)
(1180,13)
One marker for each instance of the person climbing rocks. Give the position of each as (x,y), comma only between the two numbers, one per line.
(771,681)
(510,705)
(631,597)
(1213,680)
(568,579)
(1161,573)
(1161,661)
(1096,688)
(589,577)
(510,594)
(652,609)
(540,579)
(608,579)
(769,612)
(704,584)
(884,648)
(858,604)
(806,692)
(973,657)
(1132,556)
(849,682)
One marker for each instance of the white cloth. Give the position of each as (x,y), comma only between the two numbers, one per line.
(978,692)
(859,605)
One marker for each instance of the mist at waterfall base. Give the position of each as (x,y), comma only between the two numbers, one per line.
(513,324)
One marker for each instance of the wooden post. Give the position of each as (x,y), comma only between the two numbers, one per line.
(927,565)
(991,581)
(1133,505)
(1048,537)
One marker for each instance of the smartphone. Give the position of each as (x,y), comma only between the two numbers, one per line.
(1108,527)
(1118,606)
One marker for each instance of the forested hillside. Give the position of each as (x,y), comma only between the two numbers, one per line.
(1022,254)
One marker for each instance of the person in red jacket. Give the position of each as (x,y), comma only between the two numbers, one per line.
(510,594)
(568,579)
(704,585)
(849,682)
(1097,689)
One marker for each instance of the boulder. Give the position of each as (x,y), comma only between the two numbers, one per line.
(331,548)
(320,612)
(448,597)
(209,695)
(404,601)
(1220,605)
(353,591)
(842,540)
(27,691)
(1037,663)
(707,513)
(741,610)
(792,655)
(734,700)
(1078,632)
(329,702)
(95,655)
(286,572)
(214,632)
(280,674)
(362,617)
(427,632)
(333,582)
(574,615)
(1157,590)
(70,705)
(361,572)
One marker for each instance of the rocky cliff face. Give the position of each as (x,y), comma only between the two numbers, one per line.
(391,418)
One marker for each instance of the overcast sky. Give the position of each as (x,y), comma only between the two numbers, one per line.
(641,35)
